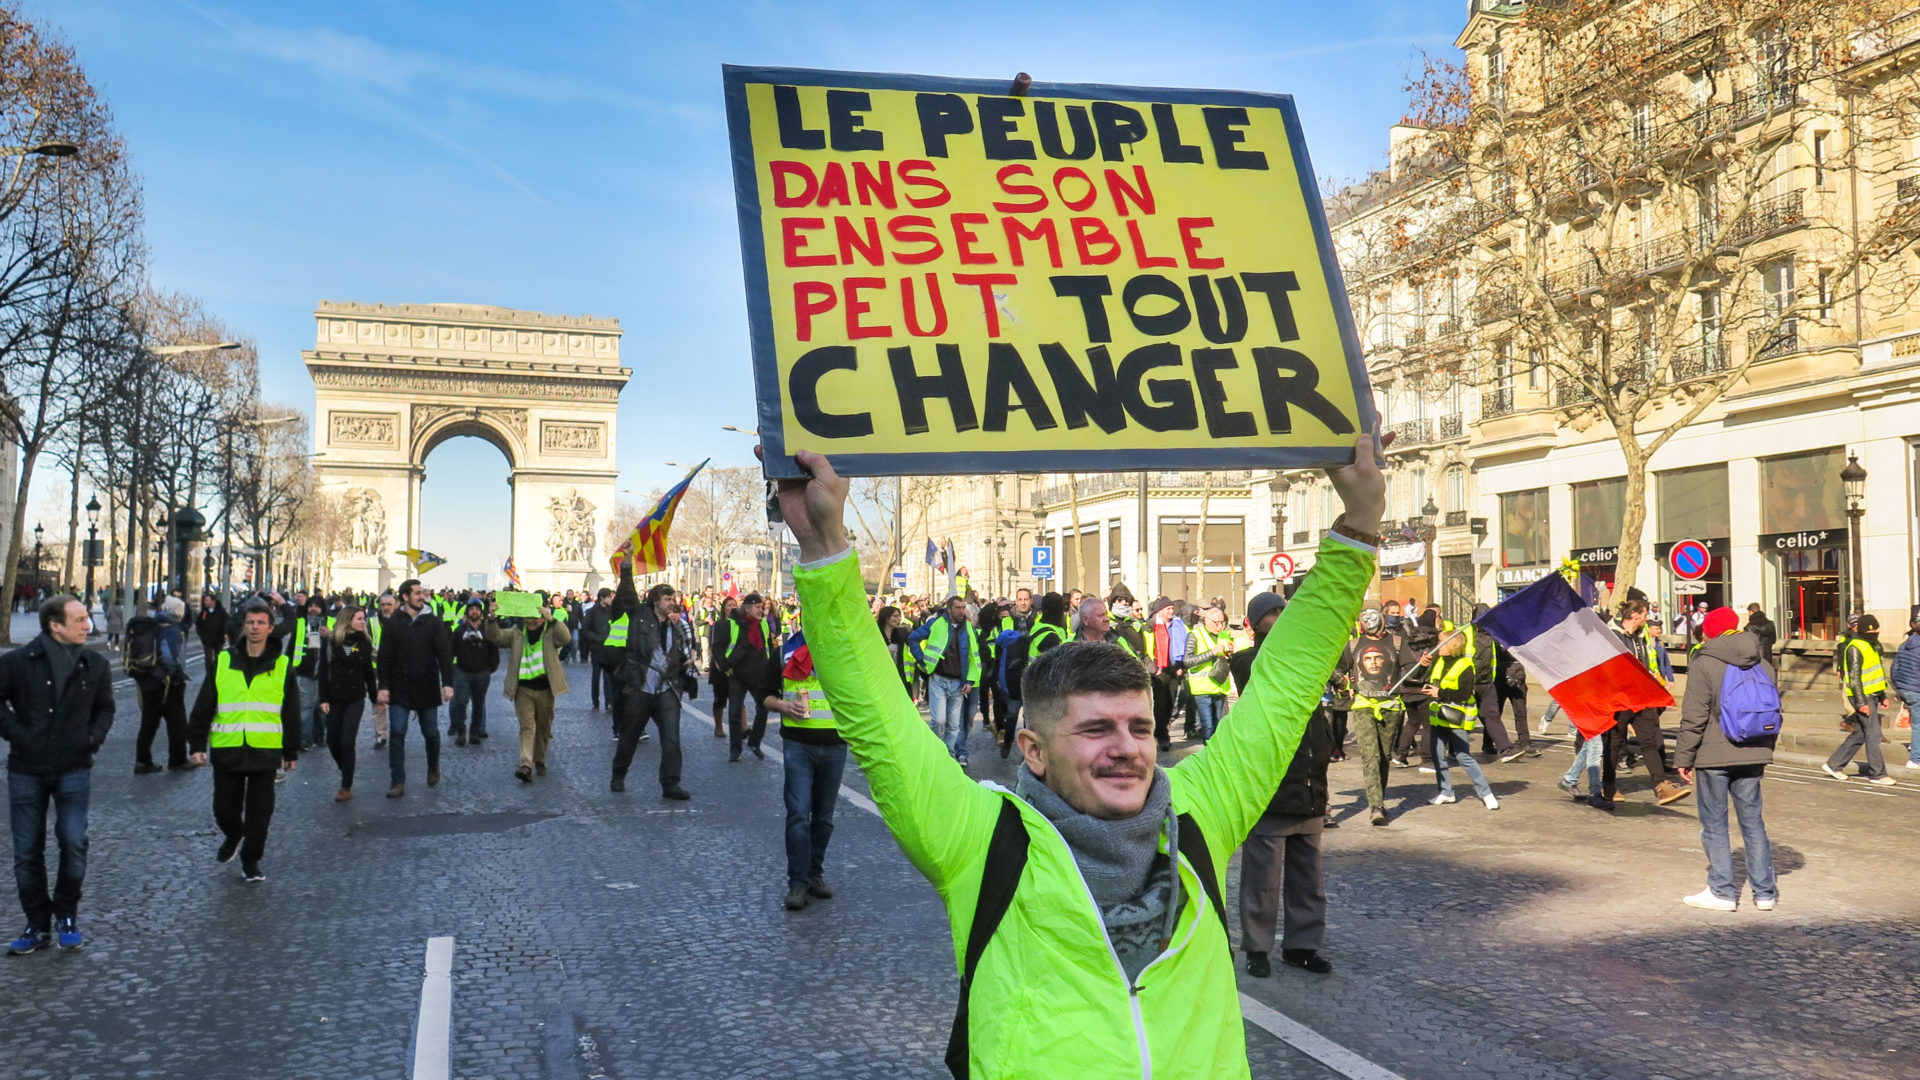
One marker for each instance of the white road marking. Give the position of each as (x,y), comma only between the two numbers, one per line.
(433,1033)
(1312,1043)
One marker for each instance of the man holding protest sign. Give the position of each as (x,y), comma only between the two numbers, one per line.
(1073,860)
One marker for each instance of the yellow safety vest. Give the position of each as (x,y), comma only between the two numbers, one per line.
(533,659)
(1873,676)
(819,713)
(1040,631)
(300,634)
(1450,680)
(1199,681)
(1379,705)
(617,633)
(248,713)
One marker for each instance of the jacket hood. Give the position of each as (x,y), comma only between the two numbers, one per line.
(1739,650)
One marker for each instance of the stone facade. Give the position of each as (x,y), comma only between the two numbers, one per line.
(391,382)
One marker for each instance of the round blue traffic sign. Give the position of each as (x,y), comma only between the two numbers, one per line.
(1689,560)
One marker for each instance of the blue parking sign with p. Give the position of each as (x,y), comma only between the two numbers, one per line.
(1042,562)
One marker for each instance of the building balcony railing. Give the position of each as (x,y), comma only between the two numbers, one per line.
(1092,485)
(1411,433)
(1452,426)
(1764,218)
(1495,404)
(1896,32)
(1449,326)
(1710,359)
(1783,340)
(1456,518)
(1415,336)
(1572,393)
(1492,304)
(1776,93)
(1907,190)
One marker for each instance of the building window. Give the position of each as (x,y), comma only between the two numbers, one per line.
(1693,504)
(1707,308)
(1496,76)
(1391,514)
(1418,495)
(1598,508)
(1327,510)
(1457,489)
(1523,528)
(1822,143)
(1536,371)
(1706,205)
(1826,295)
(1776,279)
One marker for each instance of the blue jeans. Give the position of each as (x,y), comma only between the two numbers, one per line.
(1712,790)
(1587,758)
(1912,702)
(27,796)
(313,726)
(1452,743)
(945,706)
(969,708)
(429,721)
(812,790)
(1208,708)
(469,687)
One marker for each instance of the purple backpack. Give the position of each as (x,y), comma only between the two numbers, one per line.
(1749,705)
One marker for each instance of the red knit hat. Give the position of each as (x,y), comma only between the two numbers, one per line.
(1722,620)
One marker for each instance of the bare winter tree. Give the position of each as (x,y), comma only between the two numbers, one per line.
(1656,202)
(272,481)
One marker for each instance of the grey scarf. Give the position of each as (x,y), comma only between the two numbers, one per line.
(1132,883)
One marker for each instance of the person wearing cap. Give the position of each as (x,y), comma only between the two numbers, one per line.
(1722,771)
(1863,677)
(475,657)
(1281,878)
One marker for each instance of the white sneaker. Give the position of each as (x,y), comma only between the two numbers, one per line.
(1428,769)
(1705,899)
(1492,803)
(1764,905)
(1914,765)
(1883,781)
(1830,771)
(1443,799)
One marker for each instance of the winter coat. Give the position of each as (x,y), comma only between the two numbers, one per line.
(207,704)
(211,627)
(1903,669)
(474,652)
(346,668)
(1303,791)
(1762,628)
(513,641)
(53,730)
(1701,744)
(645,632)
(416,658)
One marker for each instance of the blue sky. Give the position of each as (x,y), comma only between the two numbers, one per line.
(570,156)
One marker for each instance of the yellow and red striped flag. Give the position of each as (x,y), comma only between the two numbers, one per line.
(513,574)
(648,544)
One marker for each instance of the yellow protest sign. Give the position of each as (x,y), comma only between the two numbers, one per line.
(946,277)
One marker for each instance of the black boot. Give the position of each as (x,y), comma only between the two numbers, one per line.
(1258,966)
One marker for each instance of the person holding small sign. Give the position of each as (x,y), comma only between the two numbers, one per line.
(1091,891)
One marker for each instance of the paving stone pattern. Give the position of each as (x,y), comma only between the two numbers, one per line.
(601,935)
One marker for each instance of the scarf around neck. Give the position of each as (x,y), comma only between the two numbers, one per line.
(1132,882)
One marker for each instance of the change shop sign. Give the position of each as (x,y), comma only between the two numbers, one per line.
(945,277)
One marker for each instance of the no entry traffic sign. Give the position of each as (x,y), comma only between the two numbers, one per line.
(1281,566)
(1689,560)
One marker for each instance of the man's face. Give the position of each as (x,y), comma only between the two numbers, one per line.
(667,606)
(71,627)
(258,625)
(1391,609)
(1023,601)
(1093,619)
(474,616)
(1634,622)
(1099,756)
(416,597)
(1372,661)
(387,604)
(957,609)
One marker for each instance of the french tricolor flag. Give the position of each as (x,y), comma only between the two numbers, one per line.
(1583,664)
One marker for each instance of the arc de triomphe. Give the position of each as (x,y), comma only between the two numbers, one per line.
(393,381)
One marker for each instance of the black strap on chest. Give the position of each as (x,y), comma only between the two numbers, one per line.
(1006,861)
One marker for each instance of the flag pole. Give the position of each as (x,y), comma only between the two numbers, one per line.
(1395,688)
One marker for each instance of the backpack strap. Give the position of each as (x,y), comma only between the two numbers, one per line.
(1193,849)
(1006,861)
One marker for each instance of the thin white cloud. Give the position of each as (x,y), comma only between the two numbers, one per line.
(1324,48)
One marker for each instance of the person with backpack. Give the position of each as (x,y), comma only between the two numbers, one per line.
(1863,678)
(156,661)
(1729,722)
(1092,891)
(347,684)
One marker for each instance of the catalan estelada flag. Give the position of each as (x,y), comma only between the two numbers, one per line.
(422,561)
(648,544)
(513,575)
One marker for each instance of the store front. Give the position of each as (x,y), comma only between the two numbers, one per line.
(1803,545)
(1693,506)
(1526,547)
(1599,506)
(1512,579)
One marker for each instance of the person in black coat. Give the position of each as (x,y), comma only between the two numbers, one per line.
(1762,629)
(652,674)
(347,684)
(1421,638)
(56,706)
(210,624)
(1287,836)
(243,774)
(716,664)
(416,678)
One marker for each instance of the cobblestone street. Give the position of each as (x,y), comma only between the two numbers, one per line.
(623,936)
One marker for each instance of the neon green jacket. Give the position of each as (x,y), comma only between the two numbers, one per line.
(1049,997)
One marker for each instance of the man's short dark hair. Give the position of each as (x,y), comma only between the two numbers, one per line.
(603,594)
(1629,608)
(256,607)
(663,589)
(55,610)
(1077,667)
(408,586)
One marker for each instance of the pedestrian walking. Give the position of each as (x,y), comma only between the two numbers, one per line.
(1731,698)
(656,666)
(815,758)
(116,626)
(1092,816)
(305,640)
(1373,665)
(716,649)
(1280,869)
(1903,672)
(1455,711)
(1419,637)
(246,720)
(416,678)
(596,622)
(535,677)
(162,686)
(476,656)
(944,649)
(1631,626)
(1209,666)
(210,625)
(752,666)
(384,607)
(1863,678)
(56,707)
(347,684)
(1763,630)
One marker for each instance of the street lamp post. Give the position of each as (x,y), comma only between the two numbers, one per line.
(92,556)
(38,533)
(1185,534)
(1429,528)
(1277,490)
(1854,478)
